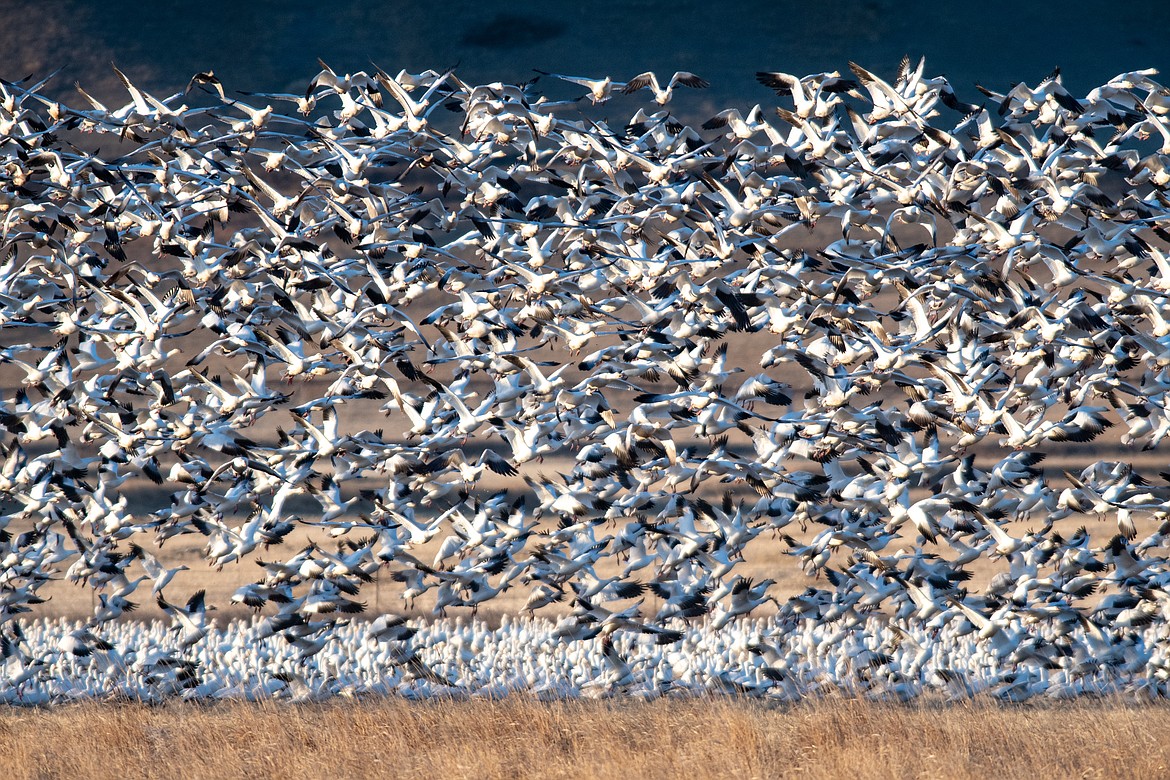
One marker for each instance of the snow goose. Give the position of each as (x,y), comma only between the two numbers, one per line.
(662,95)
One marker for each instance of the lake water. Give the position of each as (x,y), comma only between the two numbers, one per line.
(274,45)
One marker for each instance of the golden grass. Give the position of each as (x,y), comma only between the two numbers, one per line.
(700,738)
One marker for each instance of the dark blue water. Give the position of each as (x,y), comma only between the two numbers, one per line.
(275,45)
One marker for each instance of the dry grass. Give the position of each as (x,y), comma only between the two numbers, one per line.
(520,738)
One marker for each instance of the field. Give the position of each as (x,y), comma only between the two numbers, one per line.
(794,564)
(716,737)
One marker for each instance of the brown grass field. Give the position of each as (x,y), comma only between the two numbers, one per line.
(697,738)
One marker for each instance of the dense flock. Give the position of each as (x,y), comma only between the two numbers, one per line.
(477,341)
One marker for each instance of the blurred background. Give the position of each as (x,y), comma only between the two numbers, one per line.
(274,46)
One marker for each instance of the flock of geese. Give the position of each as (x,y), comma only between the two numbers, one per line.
(480,342)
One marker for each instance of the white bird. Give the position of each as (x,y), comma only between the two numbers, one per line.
(599,89)
(161,575)
(190,621)
(662,96)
